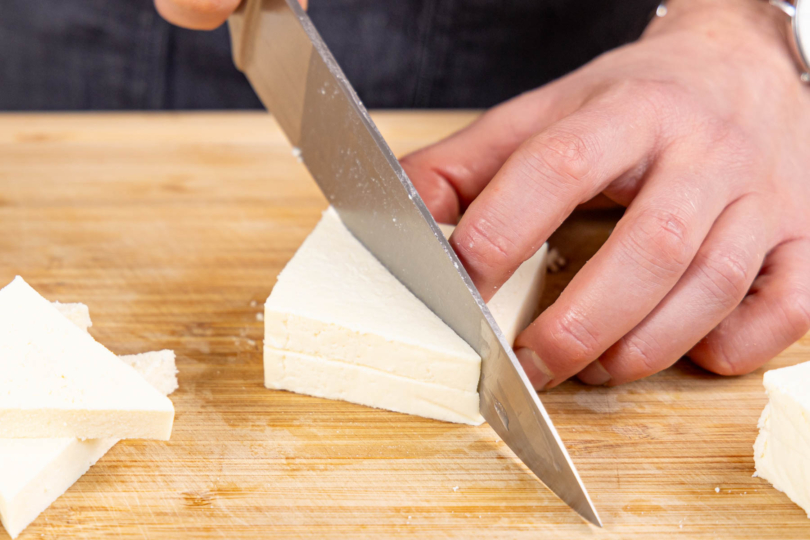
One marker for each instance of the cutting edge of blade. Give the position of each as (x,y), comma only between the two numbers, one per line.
(589,513)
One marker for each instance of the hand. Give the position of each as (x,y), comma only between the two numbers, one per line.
(199,14)
(702,130)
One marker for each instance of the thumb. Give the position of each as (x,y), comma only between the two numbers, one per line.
(196,14)
(199,14)
(451,173)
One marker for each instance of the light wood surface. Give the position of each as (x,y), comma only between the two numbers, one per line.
(172,229)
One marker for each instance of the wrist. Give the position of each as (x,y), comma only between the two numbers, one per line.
(755,16)
(750,29)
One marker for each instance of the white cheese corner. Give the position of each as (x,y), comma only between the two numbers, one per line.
(782,448)
(57,381)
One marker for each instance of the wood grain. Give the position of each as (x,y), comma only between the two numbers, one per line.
(172,228)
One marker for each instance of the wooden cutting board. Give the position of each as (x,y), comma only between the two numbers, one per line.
(173,227)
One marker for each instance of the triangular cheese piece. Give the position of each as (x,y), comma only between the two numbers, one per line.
(339,325)
(36,472)
(57,381)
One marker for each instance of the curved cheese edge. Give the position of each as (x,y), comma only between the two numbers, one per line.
(782,448)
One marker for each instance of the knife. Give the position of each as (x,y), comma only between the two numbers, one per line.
(289,66)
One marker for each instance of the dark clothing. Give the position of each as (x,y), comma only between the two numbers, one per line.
(98,54)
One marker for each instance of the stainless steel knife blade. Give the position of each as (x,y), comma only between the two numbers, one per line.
(298,80)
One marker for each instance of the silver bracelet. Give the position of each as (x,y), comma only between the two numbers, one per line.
(798,12)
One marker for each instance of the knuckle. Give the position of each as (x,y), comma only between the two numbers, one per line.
(724,355)
(660,98)
(564,156)
(795,308)
(660,242)
(573,339)
(723,362)
(642,356)
(714,353)
(482,244)
(729,142)
(728,274)
(717,131)
(650,89)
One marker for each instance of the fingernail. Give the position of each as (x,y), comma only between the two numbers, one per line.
(535,369)
(595,374)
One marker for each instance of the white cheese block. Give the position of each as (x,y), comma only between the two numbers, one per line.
(339,325)
(782,449)
(515,304)
(57,381)
(76,313)
(326,378)
(35,472)
(335,299)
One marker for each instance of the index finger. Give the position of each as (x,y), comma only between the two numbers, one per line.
(449,174)
(544,180)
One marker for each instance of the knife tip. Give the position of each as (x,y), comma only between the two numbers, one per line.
(590,515)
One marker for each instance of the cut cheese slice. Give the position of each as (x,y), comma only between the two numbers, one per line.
(57,381)
(36,472)
(782,449)
(339,325)
(326,378)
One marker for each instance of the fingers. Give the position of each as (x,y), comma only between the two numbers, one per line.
(774,315)
(452,172)
(715,283)
(196,14)
(544,180)
(648,252)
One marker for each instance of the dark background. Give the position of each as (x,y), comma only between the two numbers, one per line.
(119,54)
